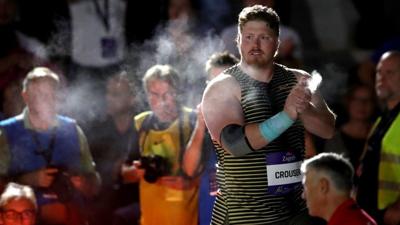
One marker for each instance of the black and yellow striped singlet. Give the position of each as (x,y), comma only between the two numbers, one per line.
(243,180)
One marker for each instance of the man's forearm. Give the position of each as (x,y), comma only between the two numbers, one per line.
(193,153)
(88,184)
(320,122)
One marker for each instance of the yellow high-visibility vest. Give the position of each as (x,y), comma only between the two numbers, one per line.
(389,166)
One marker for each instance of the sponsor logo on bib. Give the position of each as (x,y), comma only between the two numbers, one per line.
(283,171)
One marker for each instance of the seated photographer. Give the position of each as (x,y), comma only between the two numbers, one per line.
(48,152)
(167,195)
(18,203)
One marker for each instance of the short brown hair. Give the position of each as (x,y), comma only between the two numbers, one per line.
(38,73)
(259,13)
(164,73)
(221,59)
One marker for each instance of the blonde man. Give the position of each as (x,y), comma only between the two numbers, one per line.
(46,151)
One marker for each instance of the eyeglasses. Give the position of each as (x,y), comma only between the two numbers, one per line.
(10,214)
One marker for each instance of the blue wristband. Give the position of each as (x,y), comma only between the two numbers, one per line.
(275,126)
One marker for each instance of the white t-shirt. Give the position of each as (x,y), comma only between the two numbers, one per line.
(90,35)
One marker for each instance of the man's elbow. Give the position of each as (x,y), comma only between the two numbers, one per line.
(234,141)
(190,171)
(328,131)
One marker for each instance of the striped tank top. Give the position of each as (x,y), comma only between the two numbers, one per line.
(243,180)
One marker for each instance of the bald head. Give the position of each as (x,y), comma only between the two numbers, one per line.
(388,78)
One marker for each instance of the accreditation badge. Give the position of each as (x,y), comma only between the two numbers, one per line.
(108,47)
(283,172)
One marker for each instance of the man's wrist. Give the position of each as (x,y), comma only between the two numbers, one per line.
(273,127)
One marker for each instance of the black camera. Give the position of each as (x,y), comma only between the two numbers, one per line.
(155,166)
(62,185)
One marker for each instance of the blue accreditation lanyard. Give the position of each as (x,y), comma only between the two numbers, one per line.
(104,15)
(45,152)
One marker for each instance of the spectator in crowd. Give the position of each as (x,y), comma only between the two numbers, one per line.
(183,24)
(379,183)
(97,48)
(177,42)
(218,62)
(256,113)
(98,35)
(167,195)
(111,140)
(221,10)
(200,158)
(341,17)
(349,139)
(47,151)
(18,205)
(12,102)
(328,183)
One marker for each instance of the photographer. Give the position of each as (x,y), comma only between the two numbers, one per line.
(111,139)
(167,196)
(47,151)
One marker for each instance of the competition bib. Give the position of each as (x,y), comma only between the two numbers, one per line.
(283,171)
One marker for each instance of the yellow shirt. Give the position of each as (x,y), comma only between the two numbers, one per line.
(163,204)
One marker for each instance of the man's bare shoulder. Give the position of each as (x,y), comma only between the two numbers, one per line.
(224,79)
(221,104)
(221,84)
(300,73)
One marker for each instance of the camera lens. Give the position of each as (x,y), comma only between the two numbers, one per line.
(155,166)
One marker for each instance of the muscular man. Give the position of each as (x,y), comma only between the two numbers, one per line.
(256,113)
(200,157)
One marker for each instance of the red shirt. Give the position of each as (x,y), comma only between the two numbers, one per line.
(350,213)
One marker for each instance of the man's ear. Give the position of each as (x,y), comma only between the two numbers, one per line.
(278,43)
(324,185)
(24,95)
(237,40)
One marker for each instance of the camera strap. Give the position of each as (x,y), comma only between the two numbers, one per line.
(144,129)
(45,151)
(149,122)
(104,15)
(181,142)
